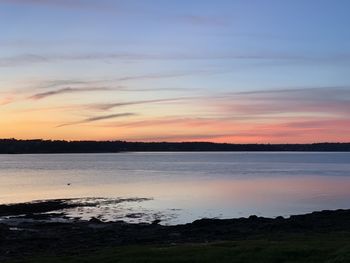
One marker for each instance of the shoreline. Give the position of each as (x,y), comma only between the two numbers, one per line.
(37,236)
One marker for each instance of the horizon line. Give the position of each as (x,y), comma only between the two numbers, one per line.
(178,142)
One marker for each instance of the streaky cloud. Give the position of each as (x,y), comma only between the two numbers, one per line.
(152,76)
(25,59)
(172,121)
(183,137)
(61,82)
(108,106)
(43,95)
(98,118)
(298,91)
(165,75)
(5,101)
(121,79)
(319,100)
(316,124)
(71,4)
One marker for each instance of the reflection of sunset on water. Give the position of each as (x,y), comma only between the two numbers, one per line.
(199,184)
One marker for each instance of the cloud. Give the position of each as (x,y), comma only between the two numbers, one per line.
(182,137)
(70,4)
(6,100)
(128,78)
(322,100)
(179,121)
(98,118)
(162,121)
(304,131)
(322,124)
(78,86)
(229,136)
(314,92)
(61,82)
(43,95)
(165,75)
(285,115)
(108,106)
(25,59)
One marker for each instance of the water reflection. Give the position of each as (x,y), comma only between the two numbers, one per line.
(187,186)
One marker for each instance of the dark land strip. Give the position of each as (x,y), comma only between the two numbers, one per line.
(13,146)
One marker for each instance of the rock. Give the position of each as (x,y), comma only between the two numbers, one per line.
(156,222)
(95,220)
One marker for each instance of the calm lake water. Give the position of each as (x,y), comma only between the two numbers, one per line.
(182,186)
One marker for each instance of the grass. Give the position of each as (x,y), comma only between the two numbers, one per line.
(322,248)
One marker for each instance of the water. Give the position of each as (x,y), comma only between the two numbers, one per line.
(182,187)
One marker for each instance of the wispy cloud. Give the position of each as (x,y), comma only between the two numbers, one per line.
(25,59)
(285,115)
(182,137)
(166,75)
(127,78)
(314,124)
(115,7)
(81,4)
(62,82)
(6,100)
(178,121)
(305,130)
(98,118)
(322,100)
(43,95)
(315,91)
(108,106)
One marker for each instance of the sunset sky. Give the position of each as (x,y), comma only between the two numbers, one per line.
(245,71)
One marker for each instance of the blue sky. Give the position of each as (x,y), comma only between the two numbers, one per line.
(184,60)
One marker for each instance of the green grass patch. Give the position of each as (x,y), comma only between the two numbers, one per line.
(327,248)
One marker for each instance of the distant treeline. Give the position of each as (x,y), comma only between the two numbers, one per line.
(13,146)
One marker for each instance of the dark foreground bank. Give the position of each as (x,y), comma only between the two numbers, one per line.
(13,146)
(315,237)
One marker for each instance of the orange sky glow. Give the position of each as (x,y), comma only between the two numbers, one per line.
(227,71)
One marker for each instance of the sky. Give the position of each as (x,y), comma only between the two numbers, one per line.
(239,71)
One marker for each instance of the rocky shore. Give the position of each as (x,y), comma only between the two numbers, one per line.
(27,230)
